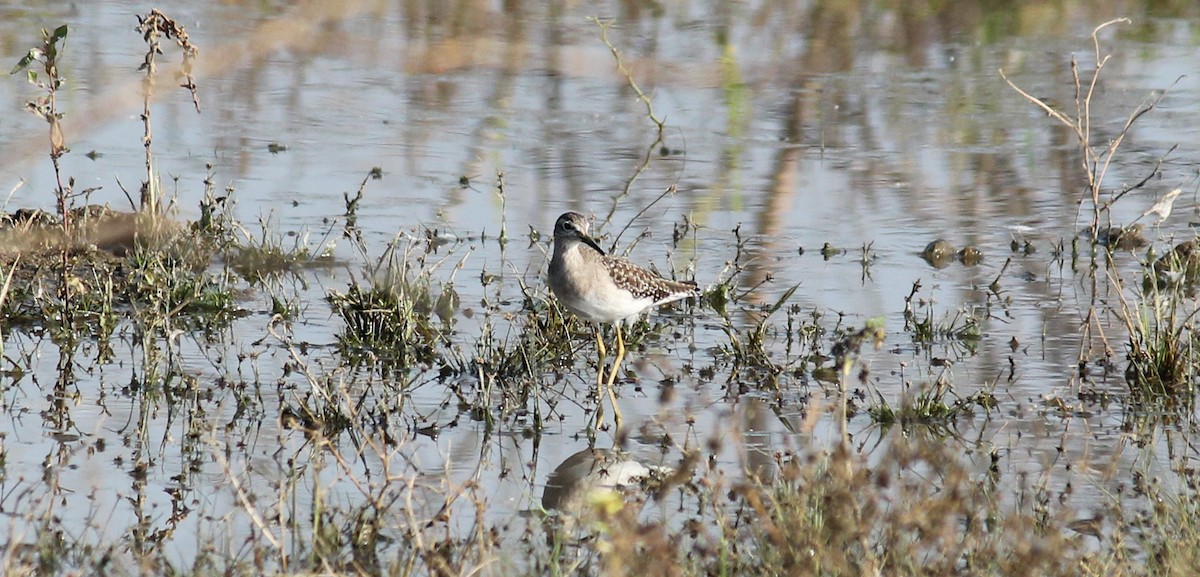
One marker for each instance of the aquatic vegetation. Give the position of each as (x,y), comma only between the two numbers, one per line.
(1162,358)
(962,328)
(393,390)
(401,313)
(49,82)
(1163,348)
(1096,159)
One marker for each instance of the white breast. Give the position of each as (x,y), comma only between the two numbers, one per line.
(586,290)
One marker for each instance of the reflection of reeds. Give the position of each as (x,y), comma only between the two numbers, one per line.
(348,491)
(914,510)
(917,506)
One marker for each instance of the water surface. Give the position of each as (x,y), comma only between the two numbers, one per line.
(869,129)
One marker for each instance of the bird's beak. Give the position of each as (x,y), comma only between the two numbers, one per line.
(591,242)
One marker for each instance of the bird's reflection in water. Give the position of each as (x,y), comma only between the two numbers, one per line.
(594,476)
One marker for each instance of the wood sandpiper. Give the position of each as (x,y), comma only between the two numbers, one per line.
(602,288)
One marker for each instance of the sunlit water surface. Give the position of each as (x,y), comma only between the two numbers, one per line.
(799,126)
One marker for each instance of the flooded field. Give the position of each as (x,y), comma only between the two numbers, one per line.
(945,327)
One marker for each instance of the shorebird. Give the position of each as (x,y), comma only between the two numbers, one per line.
(602,288)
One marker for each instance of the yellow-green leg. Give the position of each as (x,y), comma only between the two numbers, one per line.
(601,353)
(600,344)
(612,378)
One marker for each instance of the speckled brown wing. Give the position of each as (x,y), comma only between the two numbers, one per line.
(645,284)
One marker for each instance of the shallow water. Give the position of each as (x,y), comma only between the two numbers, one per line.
(848,124)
